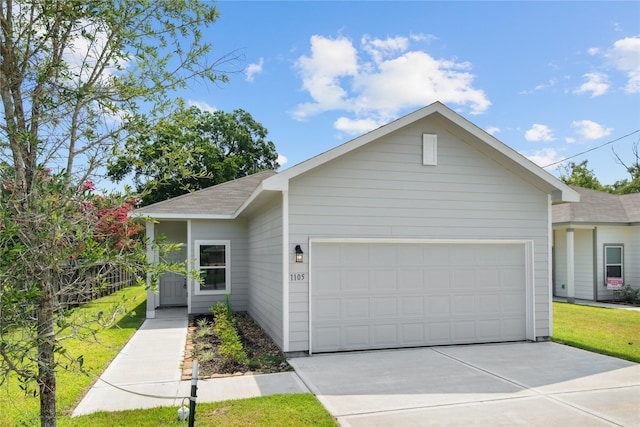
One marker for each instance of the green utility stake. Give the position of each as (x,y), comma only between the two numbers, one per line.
(194,389)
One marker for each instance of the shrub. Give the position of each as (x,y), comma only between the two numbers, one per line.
(230,348)
(628,294)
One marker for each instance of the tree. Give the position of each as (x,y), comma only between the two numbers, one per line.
(213,147)
(628,186)
(580,176)
(75,76)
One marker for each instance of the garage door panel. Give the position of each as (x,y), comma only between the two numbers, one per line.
(411,306)
(385,335)
(384,308)
(355,308)
(410,280)
(357,337)
(463,278)
(399,295)
(327,309)
(383,280)
(437,279)
(439,305)
(411,334)
(463,305)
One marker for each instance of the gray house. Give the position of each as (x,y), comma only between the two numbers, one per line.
(425,231)
(596,245)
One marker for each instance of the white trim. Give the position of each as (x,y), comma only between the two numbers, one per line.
(561,192)
(151,258)
(227,267)
(550,262)
(285,271)
(530,333)
(189,267)
(177,216)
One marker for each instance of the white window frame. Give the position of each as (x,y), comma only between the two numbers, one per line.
(227,266)
(607,264)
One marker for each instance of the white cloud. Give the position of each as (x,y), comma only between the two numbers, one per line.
(492,130)
(591,130)
(625,57)
(544,157)
(253,69)
(383,77)
(356,126)
(597,84)
(201,105)
(593,51)
(569,140)
(282,160)
(539,132)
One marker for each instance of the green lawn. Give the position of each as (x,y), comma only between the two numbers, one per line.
(609,331)
(19,409)
(280,410)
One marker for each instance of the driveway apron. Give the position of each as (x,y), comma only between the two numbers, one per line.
(513,384)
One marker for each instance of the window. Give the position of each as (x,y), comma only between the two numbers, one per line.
(213,262)
(613,263)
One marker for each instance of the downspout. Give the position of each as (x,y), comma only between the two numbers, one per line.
(189,266)
(594,243)
(550,260)
(285,271)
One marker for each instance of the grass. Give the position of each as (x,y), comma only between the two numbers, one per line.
(20,409)
(609,331)
(280,410)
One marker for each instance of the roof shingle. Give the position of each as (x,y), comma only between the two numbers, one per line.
(221,199)
(599,207)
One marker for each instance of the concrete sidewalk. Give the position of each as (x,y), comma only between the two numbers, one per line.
(150,366)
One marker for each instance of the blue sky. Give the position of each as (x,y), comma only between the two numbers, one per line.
(549,79)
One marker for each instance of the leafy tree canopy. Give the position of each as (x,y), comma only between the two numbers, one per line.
(580,175)
(77,78)
(209,147)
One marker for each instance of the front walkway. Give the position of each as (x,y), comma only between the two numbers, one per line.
(147,372)
(598,304)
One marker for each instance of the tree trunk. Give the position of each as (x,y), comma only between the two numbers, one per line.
(46,358)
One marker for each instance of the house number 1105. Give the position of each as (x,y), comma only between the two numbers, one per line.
(297,277)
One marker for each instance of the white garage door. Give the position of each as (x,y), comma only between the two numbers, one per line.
(386,295)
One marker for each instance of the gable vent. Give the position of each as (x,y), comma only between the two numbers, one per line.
(429,149)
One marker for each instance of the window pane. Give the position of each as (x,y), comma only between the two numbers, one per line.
(212,255)
(614,271)
(614,255)
(213,279)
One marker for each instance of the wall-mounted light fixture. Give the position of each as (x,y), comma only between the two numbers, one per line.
(299,253)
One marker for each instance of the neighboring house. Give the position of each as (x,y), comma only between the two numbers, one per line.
(426,231)
(596,245)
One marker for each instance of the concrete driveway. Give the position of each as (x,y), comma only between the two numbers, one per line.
(518,384)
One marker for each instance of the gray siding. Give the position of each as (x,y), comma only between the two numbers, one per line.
(630,238)
(265,274)
(383,190)
(583,260)
(236,232)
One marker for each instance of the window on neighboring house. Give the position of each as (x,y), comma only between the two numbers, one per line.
(613,263)
(213,262)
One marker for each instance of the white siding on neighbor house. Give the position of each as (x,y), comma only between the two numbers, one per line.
(383,190)
(265,274)
(583,261)
(628,236)
(236,232)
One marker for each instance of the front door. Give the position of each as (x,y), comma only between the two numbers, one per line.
(173,290)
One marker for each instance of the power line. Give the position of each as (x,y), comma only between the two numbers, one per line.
(591,149)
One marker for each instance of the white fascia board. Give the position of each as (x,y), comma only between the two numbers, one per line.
(280,181)
(562,192)
(178,216)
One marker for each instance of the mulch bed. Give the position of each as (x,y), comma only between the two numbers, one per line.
(264,356)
